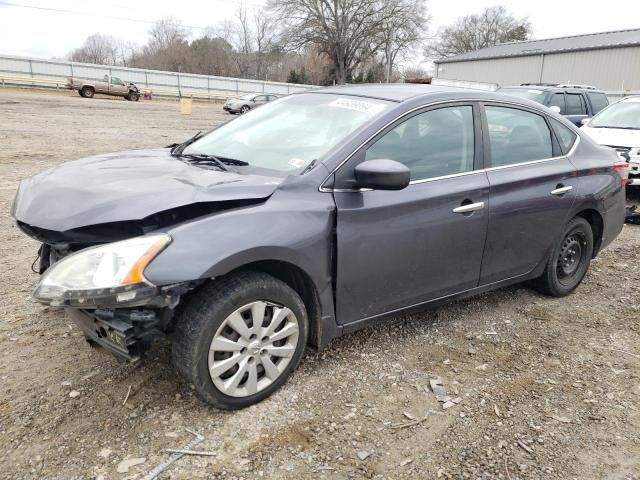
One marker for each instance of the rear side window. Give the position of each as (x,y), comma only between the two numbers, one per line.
(517,136)
(557,100)
(575,104)
(432,144)
(598,101)
(565,135)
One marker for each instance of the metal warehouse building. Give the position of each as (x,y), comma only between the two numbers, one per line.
(609,60)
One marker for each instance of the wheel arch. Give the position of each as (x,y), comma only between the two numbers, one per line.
(596,221)
(301,282)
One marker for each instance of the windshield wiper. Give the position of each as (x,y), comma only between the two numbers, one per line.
(177,149)
(207,159)
(619,128)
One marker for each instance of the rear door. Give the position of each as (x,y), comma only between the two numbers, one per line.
(401,248)
(532,188)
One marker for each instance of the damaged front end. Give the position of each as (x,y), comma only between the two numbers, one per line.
(102,220)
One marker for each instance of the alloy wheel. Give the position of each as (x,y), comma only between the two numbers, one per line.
(252,348)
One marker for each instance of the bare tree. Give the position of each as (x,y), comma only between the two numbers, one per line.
(472,32)
(166,33)
(97,48)
(347,31)
(126,52)
(404,29)
(242,40)
(263,36)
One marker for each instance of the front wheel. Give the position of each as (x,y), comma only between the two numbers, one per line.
(244,109)
(238,339)
(133,97)
(569,260)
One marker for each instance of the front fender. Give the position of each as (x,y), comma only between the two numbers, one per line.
(291,226)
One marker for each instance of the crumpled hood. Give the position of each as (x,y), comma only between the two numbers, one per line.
(127,186)
(617,137)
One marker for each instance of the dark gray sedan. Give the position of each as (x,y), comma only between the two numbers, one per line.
(313,216)
(246,102)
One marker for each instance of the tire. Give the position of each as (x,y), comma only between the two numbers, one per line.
(87,92)
(569,261)
(133,97)
(207,314)
(244,109)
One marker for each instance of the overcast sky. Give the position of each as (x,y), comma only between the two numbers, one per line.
(51,28)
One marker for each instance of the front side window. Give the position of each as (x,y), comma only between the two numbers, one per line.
(291,132)
(517,136)
(432,144)
(116,81)
(565,135)
(557,100)
(575,104)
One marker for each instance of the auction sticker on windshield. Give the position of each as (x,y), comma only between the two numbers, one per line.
(363,106)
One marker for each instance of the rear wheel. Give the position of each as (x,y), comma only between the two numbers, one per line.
(569,261)
(239,338)
(244,109)
(87,92)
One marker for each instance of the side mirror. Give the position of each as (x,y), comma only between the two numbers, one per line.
(382,175)
(584,121)
(555,108)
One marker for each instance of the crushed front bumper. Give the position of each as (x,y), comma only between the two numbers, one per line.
(126,333)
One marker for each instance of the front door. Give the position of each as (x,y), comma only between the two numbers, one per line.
(532,189)
(400,248)
(117,86)
(576,109)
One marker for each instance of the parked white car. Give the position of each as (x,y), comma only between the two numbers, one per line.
(618,126)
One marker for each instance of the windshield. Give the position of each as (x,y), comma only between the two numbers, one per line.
(289,133)
(248,96)
(625,114)
(529,94)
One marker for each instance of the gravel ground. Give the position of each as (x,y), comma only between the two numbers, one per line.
(548,388)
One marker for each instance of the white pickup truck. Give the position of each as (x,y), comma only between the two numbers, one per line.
(109,86)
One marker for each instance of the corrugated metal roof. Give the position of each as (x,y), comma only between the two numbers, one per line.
(619,38)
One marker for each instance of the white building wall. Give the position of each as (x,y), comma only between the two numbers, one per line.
(611,69)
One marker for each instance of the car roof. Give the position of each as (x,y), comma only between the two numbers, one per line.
(395,92)
(420,93)
(544,88)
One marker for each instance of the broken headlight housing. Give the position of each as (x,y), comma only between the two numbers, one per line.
(110,274)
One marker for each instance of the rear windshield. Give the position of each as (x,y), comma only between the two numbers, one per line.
(528,93)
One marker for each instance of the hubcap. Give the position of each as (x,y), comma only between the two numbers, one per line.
(570,257)
(252,348)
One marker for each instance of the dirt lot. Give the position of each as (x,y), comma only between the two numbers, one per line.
(549,388)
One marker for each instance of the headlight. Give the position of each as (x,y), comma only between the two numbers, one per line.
(103,275)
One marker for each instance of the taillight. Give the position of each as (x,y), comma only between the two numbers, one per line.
(623,170)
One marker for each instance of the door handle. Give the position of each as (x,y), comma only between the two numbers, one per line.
(470,207)
(561,190)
